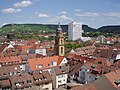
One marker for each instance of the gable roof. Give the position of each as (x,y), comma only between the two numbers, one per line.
(11,60)
(103,84)
(44,76)
(61,69)
(24,78)
(3,46)
(5,82)
(45,62)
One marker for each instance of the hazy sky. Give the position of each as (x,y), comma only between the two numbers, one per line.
(94,13)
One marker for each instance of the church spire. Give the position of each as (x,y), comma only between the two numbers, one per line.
(59,42)
(59,27)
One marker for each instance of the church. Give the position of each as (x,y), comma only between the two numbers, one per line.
(59,48)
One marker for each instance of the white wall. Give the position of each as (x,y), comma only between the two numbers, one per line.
(41,51)
(49,86)
(62,78)
(74,31)
(64,61)
(118,56)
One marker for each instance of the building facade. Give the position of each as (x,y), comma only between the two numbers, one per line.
(101,39)
(59,42)
(74,31)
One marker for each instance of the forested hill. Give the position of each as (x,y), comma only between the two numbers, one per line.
(30,28)
(50,28)
(110,29)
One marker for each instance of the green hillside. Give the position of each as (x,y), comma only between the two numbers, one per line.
(50,28)
(26,29)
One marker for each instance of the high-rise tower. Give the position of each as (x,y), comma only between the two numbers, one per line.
(74,31)
(59,42)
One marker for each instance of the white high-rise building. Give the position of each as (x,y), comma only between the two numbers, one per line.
(74,31)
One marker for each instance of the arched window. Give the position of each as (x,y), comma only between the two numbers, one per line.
(61,41)
(61,50)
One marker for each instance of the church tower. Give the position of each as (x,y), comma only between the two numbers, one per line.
(59,42)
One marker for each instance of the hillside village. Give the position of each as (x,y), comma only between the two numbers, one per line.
(48,65)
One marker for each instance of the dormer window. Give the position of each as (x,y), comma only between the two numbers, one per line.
(19,83)
(40,79)
(117,82)
(53,63)
(4,74)
(99,62)
(29,81)
(39,66)
(10,73)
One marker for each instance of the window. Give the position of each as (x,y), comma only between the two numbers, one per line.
(61,41)
(117,82)
(39,66)
(46,89)
(59,81)
(29,81)
(4,74)
(40,79)
(61,50)
(60,76)
(10,73)
(99,62)
(46,83)
(19,83)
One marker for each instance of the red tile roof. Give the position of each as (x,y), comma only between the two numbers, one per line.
(11,59)
(45,62)
(112,76)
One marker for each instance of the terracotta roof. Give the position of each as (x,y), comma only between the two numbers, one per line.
(45,62)
(88,50)
(75,68)
(40,46)
(61,69)
(11,59)
(84,87)
(112,76)
(103,83)
(70,56)
(9,69)
(42,77)
(23,79)
(23,47)
(2,47)
(5,82)
(104,61)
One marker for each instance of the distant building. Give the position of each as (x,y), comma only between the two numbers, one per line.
(37,49)
(101,39)
(74,31)
(11,36)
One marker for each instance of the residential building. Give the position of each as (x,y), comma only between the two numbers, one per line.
(10,70)
(43,80)
(46,63)
(5,84)
(12,60)
(74,31)
(59,75)
(38,49)
(21,81)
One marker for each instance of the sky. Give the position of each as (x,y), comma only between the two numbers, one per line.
(94,13)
